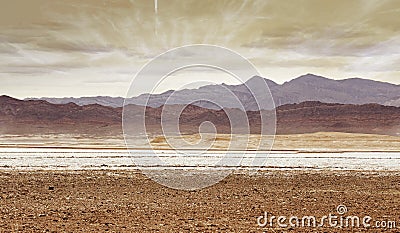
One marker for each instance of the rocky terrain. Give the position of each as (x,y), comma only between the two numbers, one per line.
(128,201)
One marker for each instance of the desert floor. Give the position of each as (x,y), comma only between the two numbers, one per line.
(127,201)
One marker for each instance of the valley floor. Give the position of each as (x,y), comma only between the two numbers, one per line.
(127,201)
(323,141)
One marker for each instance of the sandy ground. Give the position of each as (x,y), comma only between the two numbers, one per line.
(127,201)
(324,141)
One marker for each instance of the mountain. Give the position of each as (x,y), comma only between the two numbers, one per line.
(43,111)
(40,117)
(81,101)
(314,116)
(215,96)
(308,87)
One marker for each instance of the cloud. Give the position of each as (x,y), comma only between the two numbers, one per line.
(81,39)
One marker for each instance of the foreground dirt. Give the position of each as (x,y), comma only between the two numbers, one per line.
(127,201)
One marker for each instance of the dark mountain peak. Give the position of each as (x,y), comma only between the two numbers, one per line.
(311,75)
(6,98)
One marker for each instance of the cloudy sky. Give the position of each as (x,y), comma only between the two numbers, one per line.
(95,47)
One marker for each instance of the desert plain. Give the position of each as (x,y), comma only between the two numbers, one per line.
(107,200)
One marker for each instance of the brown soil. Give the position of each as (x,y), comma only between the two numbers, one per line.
(127,201)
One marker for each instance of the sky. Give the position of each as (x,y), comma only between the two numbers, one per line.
(58,48)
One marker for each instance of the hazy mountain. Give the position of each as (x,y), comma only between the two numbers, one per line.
(102,100)
(215,96)
(349,91)
(308,87)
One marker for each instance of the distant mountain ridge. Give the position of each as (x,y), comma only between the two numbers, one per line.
(82,101)
(307,87)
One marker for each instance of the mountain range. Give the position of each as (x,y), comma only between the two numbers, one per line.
(307,87)
(36,117)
